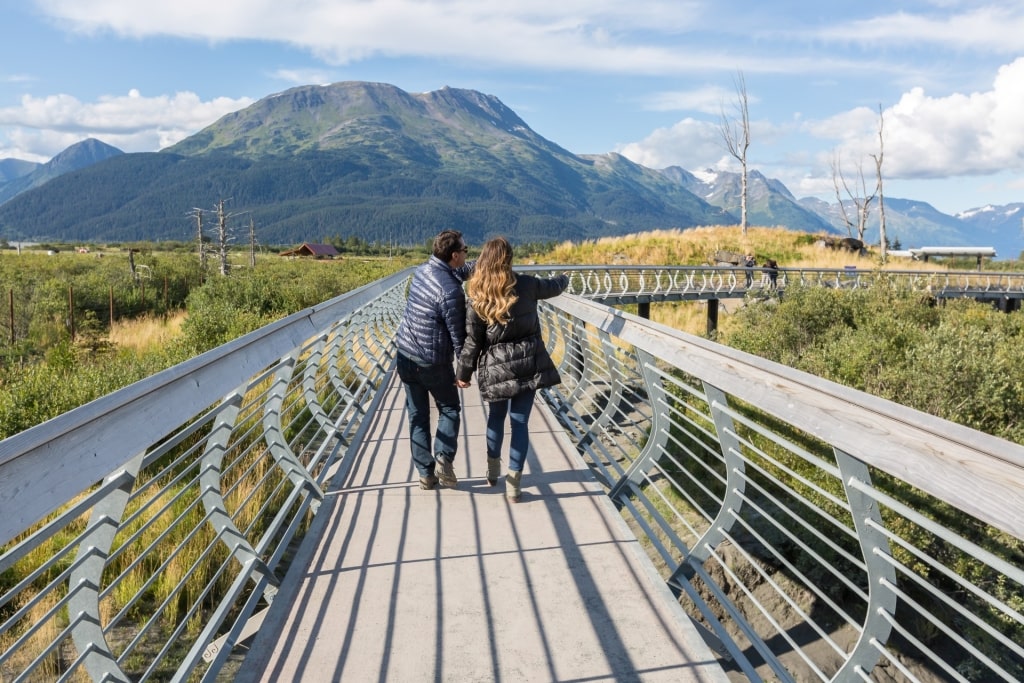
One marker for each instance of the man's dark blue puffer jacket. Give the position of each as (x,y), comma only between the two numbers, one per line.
(433,327)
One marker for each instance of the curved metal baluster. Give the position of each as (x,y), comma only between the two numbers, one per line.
(86,578)
(867,520)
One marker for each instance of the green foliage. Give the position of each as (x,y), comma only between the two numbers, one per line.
(957,360)
(224,308)
(45,374)
(48,297)
(35,392)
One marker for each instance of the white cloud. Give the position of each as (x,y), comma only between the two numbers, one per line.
(993,28)
(709,100)
(303,76)
(925,137)
(930,137)
(43,126)
(689,143)
(664,37)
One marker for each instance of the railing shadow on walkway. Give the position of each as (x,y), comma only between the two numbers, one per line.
(403,584)
(809,531)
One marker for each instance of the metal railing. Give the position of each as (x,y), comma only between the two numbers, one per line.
(628,284)
(814,531)
(144,533)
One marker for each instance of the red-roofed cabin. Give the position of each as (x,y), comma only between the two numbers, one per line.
(313,250)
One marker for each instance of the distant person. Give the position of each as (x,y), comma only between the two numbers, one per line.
(429,339)
(749,263)
(505,348)
(772,271)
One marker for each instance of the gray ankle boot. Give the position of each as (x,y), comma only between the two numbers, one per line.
(493,470)
(512,480)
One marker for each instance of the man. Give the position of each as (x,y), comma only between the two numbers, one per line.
(429,339)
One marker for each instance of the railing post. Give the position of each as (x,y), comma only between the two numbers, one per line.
(867,520)
(735,482)
(712,316)
(657,439)
(615,395)
(85,581)
(277,446)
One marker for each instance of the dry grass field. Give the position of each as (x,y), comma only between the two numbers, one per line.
(146,332)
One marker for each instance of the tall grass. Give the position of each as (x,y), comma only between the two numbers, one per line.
(147,332)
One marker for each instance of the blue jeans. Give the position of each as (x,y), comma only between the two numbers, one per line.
(421,382)
(518,408)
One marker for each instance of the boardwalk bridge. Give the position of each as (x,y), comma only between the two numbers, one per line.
(690,512)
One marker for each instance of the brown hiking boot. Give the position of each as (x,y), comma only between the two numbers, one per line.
(428,483)
(447,476)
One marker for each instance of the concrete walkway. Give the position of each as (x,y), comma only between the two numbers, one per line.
(399,584)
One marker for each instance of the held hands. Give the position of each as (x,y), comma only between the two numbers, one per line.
(463,385)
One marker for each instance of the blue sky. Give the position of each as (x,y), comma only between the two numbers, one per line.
(649,79)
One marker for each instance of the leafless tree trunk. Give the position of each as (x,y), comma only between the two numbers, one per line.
(222,238)
(736,136)
(861,199)
(252,243)
(883,245)
(837,174)
(198,213)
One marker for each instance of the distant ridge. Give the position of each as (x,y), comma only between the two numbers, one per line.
(78,156)
(369,159)
(315,162)
(15,168)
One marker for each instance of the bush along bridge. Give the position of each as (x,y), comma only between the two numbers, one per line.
(802,530)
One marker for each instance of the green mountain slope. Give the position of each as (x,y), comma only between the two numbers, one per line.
(361,158)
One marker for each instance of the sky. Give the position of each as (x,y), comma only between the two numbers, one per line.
(935,88)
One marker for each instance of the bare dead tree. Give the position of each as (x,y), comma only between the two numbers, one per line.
(860,199)
(837,174)
(198,213)
(131,265)
(736,136)
(883,244)
(223,238)
(252,242)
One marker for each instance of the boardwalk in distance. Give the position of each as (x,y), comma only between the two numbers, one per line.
(399,584)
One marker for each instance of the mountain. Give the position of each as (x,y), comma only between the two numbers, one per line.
(368,159)
(317,162)
(78,156)
(911,223)
(769,202)
(15,168)
(998,225)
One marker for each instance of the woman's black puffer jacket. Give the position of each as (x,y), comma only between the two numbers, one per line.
(511,358)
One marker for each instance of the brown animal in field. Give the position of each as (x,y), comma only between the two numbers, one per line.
(849,244)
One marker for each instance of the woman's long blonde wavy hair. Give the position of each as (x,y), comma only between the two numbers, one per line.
(491,288)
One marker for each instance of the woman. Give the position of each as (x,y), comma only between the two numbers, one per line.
(504,346)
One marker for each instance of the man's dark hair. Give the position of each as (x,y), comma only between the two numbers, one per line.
(446,244)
